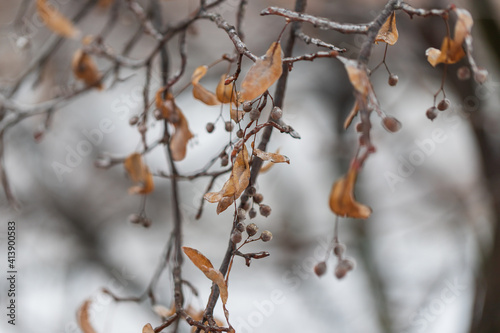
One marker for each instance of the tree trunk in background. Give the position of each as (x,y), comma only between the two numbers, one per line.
(486,316)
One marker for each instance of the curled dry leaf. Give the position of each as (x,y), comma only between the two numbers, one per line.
(263,73)
(357,76)
(342,201)
(139,173)
(199,91)
(236,114)
(273,157)
(450,53)
(204,264)
(55,21)
(148,329)
(235,185)
(181,137)
(166,106)
(224,92)
(451,49)
(388,33)
(83,318)
(85,69)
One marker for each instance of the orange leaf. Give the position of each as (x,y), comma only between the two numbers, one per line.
(202,262)
(273,157)
(342,201)
(358,77)
(388,33)
(198,259)
(55,21)
(166,106)
(85,69)
(451,49)
(351,115)
(224,92)
(181,137)
(235,185)
(148,329)
(263,73)
(450,53)
(139,173)
(83,318)
(199,91)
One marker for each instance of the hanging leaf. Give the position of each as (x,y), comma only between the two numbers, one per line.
(83,318)
(181,137)
(55,21)
(263,73)
(166,106)
(235,185)
(450,53)
(148,329)
(224,91)
(199,91)
(342,201)
(236,115)
(358,77)
(273,157)
(203,264)
(388,33)
(351,115)
(138,173)
(85,69)
(451,49)
(463,26)
(198,259)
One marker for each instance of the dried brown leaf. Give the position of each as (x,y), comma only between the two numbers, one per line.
(83,317)
(85,69)
(181,137)
(55,21)
(166,106)
(263,73)
(342,201)
(388,33)
(273,157)
(217,277)
(451,49)
(202,262)
(236,115)
(139,173)
(223,91)
(198,259)
(148,329)
(235,185)
(199,91)
(450,53)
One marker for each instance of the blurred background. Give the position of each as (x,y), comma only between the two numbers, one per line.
(427,259)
